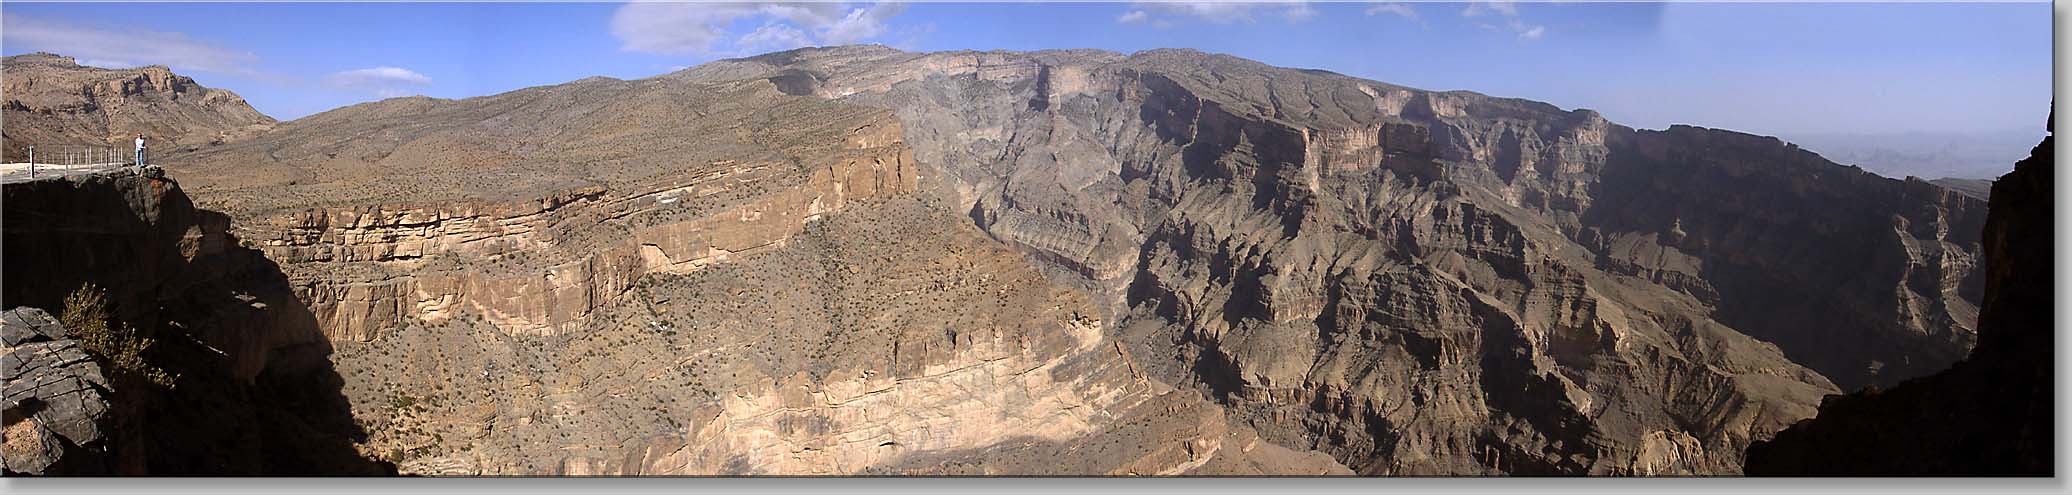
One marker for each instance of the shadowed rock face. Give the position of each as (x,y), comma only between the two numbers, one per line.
(255,392)
(52,102)
(1433,282)
(56,399)
(1991,414)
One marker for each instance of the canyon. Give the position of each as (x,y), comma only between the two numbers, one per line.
(859,260)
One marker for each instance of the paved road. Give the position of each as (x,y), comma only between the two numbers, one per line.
(19,172)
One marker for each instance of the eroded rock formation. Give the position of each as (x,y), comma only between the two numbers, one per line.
(607,288)
(1426,282)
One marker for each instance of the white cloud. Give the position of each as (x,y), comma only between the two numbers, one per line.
(774,36)
(387,82)
(706,28)
(108,64)
(1524,30)
(861,24)
(1507,9)
(1299,11)
(127,48)
(1398,9)
(1167,13)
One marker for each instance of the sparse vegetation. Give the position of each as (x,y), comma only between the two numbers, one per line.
(116,345)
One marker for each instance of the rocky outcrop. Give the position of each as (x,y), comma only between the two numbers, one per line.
(56,398)
(254,393)
(53,102)
(1990,414)
(425,263)
(1424,282)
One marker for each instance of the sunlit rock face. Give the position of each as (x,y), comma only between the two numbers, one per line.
(660,277)
(1424,282)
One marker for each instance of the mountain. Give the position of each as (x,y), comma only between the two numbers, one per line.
(53,102)
(859,260)
(1990,415)
(1977,188)
(1962,155)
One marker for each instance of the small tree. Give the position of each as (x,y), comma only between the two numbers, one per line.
(119,347)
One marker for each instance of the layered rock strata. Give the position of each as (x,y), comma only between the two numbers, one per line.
(761,293)
(1424,282)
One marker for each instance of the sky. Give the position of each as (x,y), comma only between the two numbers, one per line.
(1767,68)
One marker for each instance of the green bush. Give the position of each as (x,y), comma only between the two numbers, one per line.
(118,347)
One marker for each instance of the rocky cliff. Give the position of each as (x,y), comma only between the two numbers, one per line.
(1990,414)
(655,277)
(253,393)
(1433,282)
(53,102)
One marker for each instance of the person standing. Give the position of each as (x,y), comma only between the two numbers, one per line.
(140,149)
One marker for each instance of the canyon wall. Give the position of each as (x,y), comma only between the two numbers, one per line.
(764,293)
(1426,282)
(252,388)
(1991,414)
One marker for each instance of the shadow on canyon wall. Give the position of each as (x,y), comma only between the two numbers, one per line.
(255,393)
(1990,414)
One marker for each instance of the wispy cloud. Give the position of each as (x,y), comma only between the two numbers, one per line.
(1508,9)
(386,82)
(125,48)
(1165,14)
(1512,22)
(1400,10)
(706,28)
(1530,33)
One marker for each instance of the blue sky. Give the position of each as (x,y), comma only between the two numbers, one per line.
(1773,68)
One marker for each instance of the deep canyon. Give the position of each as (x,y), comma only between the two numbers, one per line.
(863,261)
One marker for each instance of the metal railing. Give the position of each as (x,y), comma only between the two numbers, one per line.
(69,159)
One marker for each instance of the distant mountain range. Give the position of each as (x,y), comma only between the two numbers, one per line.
(1928,155)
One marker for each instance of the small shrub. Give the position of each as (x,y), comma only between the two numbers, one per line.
(119,347)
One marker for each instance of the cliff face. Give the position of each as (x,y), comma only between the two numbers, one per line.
(1433,282)
(1990,414)
(53,102)
(254,393)
(653,277)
